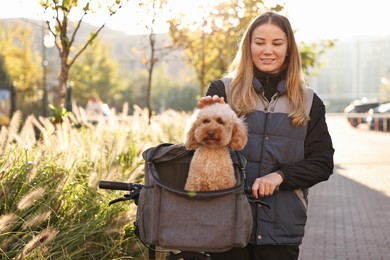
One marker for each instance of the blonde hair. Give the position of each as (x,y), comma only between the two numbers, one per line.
(242,94)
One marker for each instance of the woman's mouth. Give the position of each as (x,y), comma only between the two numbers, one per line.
(267,60)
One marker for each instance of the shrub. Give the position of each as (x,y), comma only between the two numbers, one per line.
(50,204)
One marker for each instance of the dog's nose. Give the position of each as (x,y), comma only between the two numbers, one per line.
(210,134)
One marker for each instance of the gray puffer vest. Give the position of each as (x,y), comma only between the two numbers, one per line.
(272,142)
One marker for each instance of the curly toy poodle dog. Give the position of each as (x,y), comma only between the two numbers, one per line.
(213,130)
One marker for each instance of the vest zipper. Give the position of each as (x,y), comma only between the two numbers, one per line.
(273,101)
(266,104)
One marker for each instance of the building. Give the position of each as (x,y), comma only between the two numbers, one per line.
(354,68)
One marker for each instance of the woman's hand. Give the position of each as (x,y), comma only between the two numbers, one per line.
(266,185)
(209,100)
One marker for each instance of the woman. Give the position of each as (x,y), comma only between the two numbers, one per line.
(289,148)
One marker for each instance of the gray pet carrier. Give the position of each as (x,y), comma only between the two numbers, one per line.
(170,217)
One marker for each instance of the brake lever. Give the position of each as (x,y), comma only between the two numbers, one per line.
(134,195)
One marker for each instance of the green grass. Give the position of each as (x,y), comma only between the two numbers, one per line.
(50,203)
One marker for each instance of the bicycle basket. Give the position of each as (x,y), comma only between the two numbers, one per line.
(170,217)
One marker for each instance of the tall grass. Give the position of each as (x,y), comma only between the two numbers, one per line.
(50,205)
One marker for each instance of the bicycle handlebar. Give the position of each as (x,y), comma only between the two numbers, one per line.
(115,185)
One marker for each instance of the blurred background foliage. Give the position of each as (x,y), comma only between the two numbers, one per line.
(50,205)
(186,59)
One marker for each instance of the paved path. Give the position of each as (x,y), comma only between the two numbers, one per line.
(349,215)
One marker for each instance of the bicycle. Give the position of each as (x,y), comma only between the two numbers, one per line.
(135,190)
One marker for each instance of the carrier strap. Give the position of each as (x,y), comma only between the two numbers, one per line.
(167,151)
(164,152)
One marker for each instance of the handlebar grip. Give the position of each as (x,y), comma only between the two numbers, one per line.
(114,185)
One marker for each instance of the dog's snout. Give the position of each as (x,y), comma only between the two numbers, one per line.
(210,134)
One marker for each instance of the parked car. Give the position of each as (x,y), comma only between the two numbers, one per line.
(359,107)
(379,117)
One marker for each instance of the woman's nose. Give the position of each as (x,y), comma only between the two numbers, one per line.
(267,49)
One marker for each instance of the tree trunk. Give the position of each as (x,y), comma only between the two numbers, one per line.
(150,70)
(60,98)
(149,89)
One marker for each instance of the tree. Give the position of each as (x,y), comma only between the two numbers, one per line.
(5,79)
(310,53)
(97,72)
(6,106)
(20,61)
(23,65)
(154,9)
(58,20)
(173,94)
(210,43)
(196,45)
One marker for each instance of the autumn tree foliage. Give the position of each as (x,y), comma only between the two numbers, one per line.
(64,19)
(211,42)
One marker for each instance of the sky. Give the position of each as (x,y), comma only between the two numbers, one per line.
(313,19)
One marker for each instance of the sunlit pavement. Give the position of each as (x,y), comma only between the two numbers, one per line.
(349,215)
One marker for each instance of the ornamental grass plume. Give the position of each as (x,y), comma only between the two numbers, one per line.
(29,199)
(36,220)
(3,138)
(27,133)
(8,133)
(14,126)
(44,133)
(93,179)
(44,237)
(6,221)
(59,170)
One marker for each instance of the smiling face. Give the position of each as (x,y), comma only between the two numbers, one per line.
(269,48)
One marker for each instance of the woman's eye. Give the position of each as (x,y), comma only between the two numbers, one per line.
(278,43)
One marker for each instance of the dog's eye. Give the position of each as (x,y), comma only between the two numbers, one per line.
(220,121)
(206,121)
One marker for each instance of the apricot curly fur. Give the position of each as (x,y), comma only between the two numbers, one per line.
(213,130)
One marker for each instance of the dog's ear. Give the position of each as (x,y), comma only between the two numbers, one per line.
(239,135)
(189,137)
